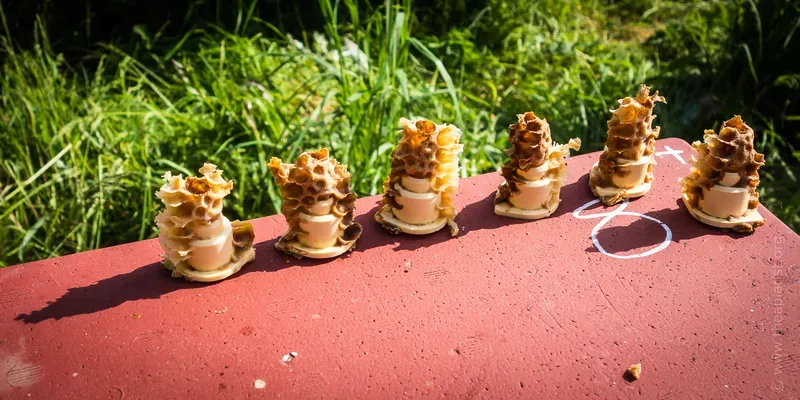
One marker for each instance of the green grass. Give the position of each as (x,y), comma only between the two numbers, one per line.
(84,149)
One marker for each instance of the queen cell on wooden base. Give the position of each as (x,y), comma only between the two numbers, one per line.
(199,243)
(720,189)
(318,204)
(535,172)
(419,191)
(625,169)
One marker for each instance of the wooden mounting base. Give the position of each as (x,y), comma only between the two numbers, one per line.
(611,195)
(185,271)
(746,223)
(300,250)
(505,209)
(394,225)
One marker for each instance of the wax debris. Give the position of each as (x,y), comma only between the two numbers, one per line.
(635,371)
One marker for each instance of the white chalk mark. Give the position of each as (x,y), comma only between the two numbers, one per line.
(606,217)
(671,152)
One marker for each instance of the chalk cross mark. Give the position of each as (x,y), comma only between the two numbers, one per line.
(671,152)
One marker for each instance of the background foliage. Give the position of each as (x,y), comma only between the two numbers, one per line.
(97,102)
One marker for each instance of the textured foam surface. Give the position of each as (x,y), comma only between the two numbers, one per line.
(508,308)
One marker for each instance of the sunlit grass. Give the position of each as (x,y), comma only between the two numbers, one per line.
(83,151)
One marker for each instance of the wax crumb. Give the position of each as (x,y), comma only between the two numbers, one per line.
(635,370)
(136,316)
(259,384)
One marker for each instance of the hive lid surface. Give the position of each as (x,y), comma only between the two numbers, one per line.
(554,308)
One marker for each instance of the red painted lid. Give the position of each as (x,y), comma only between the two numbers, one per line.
(509,308)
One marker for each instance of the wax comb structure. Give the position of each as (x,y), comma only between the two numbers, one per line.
(625,169)
(318,204)
(720,189)
(535,172)
(199,243)
(419,191)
